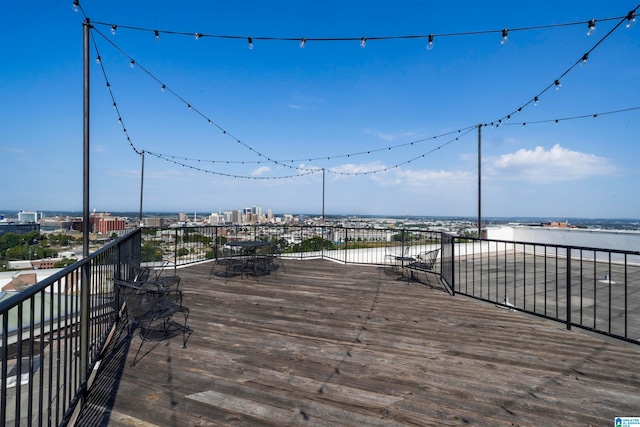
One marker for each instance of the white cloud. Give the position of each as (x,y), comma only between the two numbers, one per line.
(435,179)
(296,107)
(546,166)
(261,171)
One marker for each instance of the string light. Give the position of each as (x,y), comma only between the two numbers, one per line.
(536,101)
(132,63)
(363,42)
(163,88)
(631,19)
(430,42)
(303,42)
(98,59)
(505,36)
(591,27)
(113,29)
(250,41)
(584,59)
(156,33)
(75,6)
(197,36)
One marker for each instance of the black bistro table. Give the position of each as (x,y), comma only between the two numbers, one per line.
(247,260)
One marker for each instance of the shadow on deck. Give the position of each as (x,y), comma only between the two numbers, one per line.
(333,344)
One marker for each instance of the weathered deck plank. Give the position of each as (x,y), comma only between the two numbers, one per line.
(329,344)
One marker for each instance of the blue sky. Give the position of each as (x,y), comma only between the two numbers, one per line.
(323,106)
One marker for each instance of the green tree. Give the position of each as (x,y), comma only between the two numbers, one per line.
(150,253)
(64,262)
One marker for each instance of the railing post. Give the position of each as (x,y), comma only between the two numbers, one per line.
(346,244)
(569,288)
(175,248)
(452,269)
(85,284)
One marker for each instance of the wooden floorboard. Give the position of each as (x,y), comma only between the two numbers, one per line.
(327,344)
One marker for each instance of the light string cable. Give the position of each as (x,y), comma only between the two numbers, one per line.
(164,87)
(178,159)
(584,116)
(337,156)
(386,169)
(362,40)
(110,89)
(629,18)
(591,23)
(172,159)
(306,170)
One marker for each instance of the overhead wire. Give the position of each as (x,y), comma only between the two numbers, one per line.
(284,162)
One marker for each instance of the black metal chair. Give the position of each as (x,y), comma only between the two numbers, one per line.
(147,274)
(396,257)
(151,309)
(424,262)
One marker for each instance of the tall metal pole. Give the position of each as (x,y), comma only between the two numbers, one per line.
(141,187)
(479,181)
(322,194)
(85,284)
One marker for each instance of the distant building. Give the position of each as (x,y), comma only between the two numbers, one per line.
(26,217)
(154,222)
(16,228)
(108,225)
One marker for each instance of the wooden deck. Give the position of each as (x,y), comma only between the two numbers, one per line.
(324,344)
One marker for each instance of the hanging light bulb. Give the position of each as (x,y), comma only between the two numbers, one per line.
(556,122)
(430,42)
(303,42)
(535,101)
(115,107)
(75,6)
(363,42)
(584,59)
(163,88)
(132,63)
(631,19)
(156,33)
(98,59)
(558,84)
(189,106)
(197,36)
(250,41)
(591,28)
(113,29)
(505,36)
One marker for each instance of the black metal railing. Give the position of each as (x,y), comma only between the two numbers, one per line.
(591,288)
(52,335)
(187,245)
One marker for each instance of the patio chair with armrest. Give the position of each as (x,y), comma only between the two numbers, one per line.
(147,274)
(424,262)
(151,309)
(396,257)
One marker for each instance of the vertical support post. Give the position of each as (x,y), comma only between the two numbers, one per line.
(141,187)
(479,181)
(85,284)
(569,288)
(323,194)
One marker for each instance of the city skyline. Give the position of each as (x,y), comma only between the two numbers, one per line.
(393,124)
